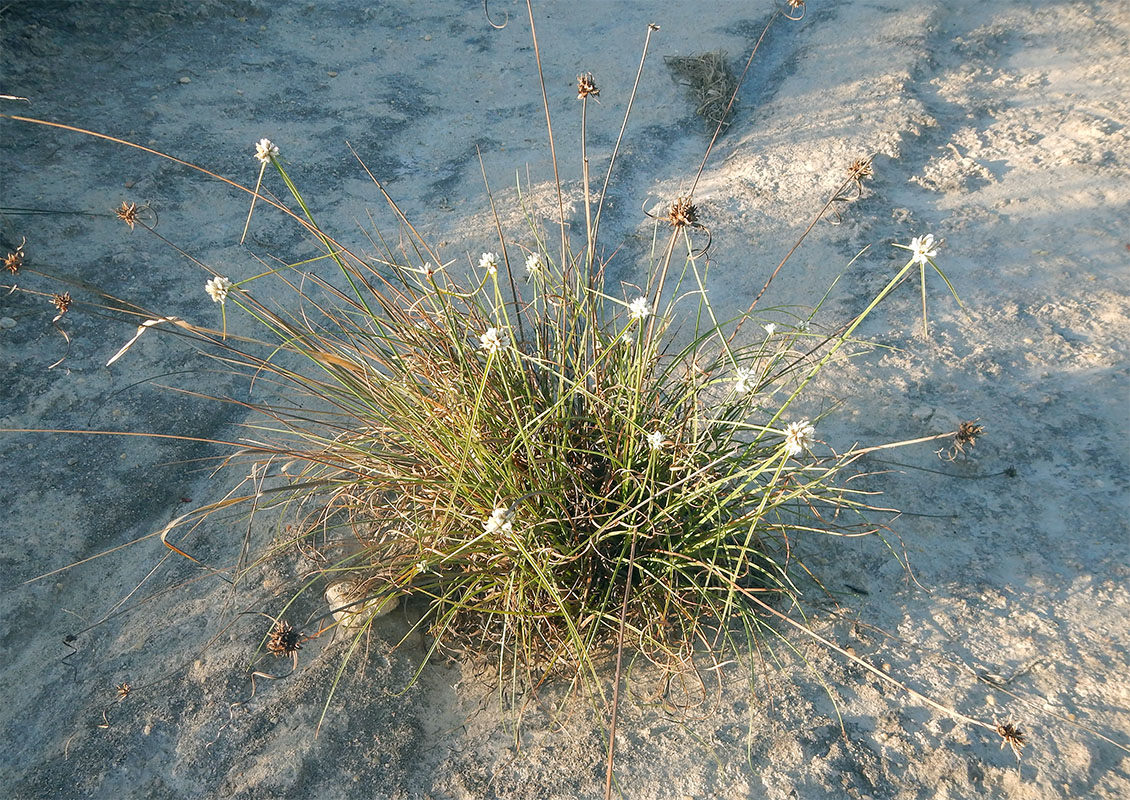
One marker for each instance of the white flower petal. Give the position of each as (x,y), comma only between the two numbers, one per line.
(798,437)
(744,380)
(489,262)
(265,150)
(218,288)
(639,309)
(493,340)
(923,248)
(498,522)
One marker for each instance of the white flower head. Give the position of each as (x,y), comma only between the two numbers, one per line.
(218,288)
(639,308)
(803,326)
(421,567)
(744,381)
(265,150)
(498,522)
(493,340)
(798,437)
(533,263)
(489,262)
(770,328)
(923,248)
(655,440)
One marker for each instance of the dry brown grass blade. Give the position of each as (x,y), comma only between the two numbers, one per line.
(710,82)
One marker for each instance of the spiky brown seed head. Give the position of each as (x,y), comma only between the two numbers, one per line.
(966,436)
(1012,736)
(62,302)
(794,10)
(586,86)
(861,169)
(284,640)
(127,213)
(13,261)
(682,213)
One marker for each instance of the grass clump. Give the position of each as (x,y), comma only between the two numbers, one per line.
(559,471)
(710,84)
(550,467)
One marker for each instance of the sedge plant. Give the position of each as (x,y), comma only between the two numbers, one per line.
(558,473)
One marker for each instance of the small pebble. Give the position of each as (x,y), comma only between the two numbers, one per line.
(184,79)
(922,413)
(7,322)
(332,74)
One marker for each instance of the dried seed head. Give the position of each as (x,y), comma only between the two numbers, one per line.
(861,169)
(1012,736)
(967,433)
(682,213)
(62,302)
(127,213)
(966,436)
(123,689)
(586,86)
(13,261)
(284,640)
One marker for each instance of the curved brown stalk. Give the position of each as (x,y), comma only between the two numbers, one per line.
(552,146)
(651,28)
(733,99)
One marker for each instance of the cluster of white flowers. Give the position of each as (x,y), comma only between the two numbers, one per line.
(770,329)
(421,567)
(745,379)
(923,248)
(489,262)
(498,522)
(655,440)
(218,288)
(265,150)
(533,263)
(493,340)
(639,308)
(798,437)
